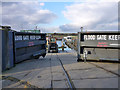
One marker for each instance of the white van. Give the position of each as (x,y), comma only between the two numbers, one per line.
(69,39)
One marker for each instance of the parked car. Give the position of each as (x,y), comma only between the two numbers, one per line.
(52,46)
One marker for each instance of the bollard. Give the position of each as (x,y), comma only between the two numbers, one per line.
(62,46)
(85,55)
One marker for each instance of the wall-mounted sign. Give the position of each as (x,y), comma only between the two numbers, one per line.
(101,37)
(19,37)
(25,37)
(38,37)
(32,37)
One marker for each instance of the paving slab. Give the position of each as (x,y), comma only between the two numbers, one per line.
(90,73)
(78,66)
(66,56)
(58,76)
(28,66)
(21,86)
(96,83)
(6,83)
(40,74)
(109,66)
(60,84)
(41,83)
(55,62)
(57,69)
(40,78)
(16,85)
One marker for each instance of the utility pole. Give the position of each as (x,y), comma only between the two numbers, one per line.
(81,29)
(36,27)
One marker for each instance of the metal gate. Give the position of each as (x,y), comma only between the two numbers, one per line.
(29,45)
(98,46)
(19,46)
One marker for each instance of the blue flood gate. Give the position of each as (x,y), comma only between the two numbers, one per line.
(98,46)
(19,46)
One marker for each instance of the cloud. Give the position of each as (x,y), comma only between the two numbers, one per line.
(119,16)
(54,29)
(101,1)
(93,15)
(42,4)
(69,28)
(24,14)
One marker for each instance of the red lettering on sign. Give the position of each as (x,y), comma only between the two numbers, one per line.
(105,45)
(31,43)
(102,42)
(97,45)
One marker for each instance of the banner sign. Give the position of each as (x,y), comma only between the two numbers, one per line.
(27,37)
(102,37)
(93,40)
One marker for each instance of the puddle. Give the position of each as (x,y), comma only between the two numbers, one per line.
(67,49)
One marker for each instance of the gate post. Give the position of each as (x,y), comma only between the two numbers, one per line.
(0,52)
(79,48)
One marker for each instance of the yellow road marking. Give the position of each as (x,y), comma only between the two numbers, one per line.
(25,86)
